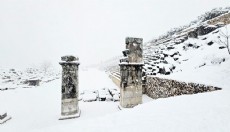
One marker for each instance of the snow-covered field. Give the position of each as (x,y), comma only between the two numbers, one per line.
(39,107)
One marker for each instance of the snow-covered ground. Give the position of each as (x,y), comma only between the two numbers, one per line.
(38,110)
(39,107)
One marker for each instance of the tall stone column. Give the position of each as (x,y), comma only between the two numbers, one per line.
(131,73)
(69,102)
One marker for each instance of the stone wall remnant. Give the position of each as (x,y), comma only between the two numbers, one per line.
(163,88)
(69,104)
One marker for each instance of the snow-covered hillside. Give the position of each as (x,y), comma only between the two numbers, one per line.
(193,53)
(13,78)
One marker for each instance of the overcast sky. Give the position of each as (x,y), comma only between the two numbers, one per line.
(34,31)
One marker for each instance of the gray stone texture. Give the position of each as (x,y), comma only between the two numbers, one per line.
(134,46)
(131,73)
(69,58)
(3,116)
(69,86)
(163,88)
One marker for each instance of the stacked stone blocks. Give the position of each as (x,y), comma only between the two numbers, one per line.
(131,73)
(69,105)
(163,88)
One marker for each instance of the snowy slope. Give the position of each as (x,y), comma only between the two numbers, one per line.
(207,64)
(192,59)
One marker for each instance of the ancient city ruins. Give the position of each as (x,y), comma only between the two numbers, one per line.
(132,82)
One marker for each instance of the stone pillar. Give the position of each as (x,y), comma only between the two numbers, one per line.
(131,73)
(69,103)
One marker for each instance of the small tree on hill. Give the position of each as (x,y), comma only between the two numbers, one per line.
(224,38)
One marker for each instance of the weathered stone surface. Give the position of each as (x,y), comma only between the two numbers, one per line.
(69,58)
(163,88)
(35,82)
(131,96)
(203,30)
(131,73)
(134,46)
(225,19)
(69,86)
(193,34)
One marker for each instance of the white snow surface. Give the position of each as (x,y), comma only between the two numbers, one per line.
(38,110)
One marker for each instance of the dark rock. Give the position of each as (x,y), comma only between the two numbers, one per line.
(169,48)
(125,52)
(34,82)
(203,30)
(202,65)
(165,55)
(162,71)
(210,43)
(190,45)
(3,116)
(222,47)
(192,34)
(167,73)
(175,59)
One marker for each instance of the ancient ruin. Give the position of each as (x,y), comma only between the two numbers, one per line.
(69,104)
(164,88)
(131,73)
(4,117)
